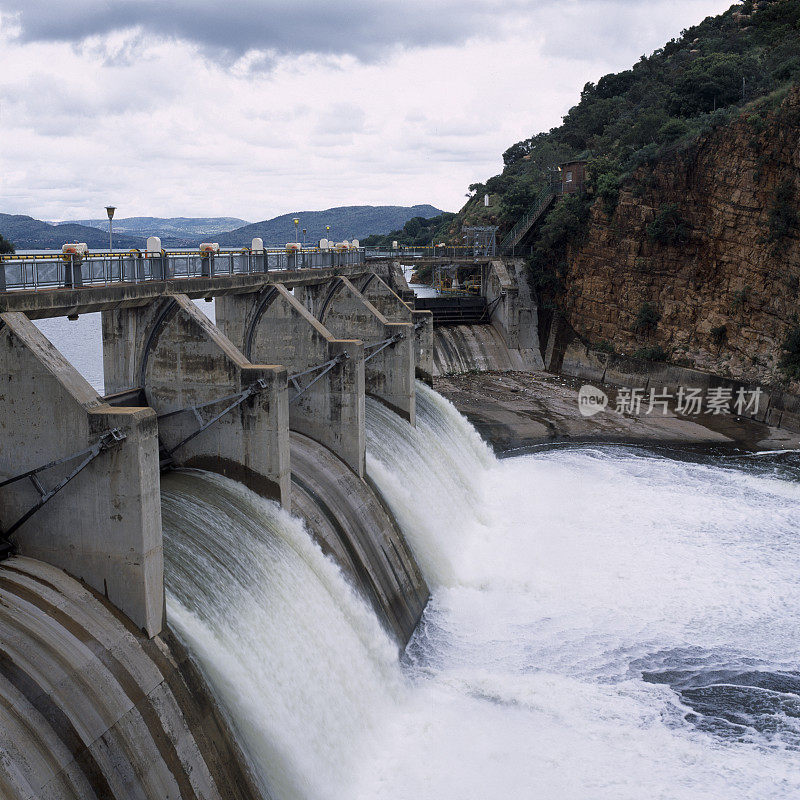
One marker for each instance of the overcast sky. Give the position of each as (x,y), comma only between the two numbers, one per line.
(254,108)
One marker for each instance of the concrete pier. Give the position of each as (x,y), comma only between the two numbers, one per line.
(389,367)
(104,526)
(327,404)
(191,372)
(391,305)
(513,313)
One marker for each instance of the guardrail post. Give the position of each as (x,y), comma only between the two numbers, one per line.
(73,277)
(2,276)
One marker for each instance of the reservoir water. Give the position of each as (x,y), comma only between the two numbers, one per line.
(605,623)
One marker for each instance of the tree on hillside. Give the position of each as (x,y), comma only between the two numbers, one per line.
(6,247)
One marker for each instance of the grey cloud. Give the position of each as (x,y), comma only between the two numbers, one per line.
(366,29)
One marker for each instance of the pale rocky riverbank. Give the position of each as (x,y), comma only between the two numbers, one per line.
(514,410)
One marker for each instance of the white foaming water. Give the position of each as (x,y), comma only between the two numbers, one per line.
(296,657)
(605,624)
(431,476)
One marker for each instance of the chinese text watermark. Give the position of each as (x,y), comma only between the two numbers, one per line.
(684,401)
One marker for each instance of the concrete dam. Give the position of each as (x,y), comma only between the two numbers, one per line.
(127,514)
(261,557)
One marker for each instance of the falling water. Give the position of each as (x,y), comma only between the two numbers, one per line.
(605,623)
(296,657)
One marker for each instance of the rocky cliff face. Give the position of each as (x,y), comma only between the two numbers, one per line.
(697,240)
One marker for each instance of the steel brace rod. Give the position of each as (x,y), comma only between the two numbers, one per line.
(106,442)
(254,388)
(200,406)
(326,368)
(381,346)
(493,305)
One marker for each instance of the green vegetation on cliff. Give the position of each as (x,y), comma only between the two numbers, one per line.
(662,104)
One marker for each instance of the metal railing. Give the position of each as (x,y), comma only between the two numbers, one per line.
(447,251)
(57,270)
(543,199)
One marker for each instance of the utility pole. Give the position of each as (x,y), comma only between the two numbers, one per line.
(110,211)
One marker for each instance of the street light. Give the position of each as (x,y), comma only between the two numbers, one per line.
(296,223)
(328,232)
(110,211)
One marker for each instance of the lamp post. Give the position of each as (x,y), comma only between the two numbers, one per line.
(296,223)
(328,232)
(110,211)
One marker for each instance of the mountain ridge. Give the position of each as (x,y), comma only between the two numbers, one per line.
(347,222)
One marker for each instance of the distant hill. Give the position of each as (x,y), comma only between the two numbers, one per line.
(28,233)
(176,227)
(347,222)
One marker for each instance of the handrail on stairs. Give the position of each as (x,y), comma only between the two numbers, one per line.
(542,200)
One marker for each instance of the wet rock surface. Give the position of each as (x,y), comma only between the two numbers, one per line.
(515,410)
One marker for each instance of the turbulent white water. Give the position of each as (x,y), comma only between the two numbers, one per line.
(296,657)
(604,624)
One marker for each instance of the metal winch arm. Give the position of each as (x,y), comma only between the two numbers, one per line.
(379,347)
(107,441)
(325,369)
(255,388)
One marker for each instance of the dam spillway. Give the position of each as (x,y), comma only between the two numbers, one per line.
(578,605)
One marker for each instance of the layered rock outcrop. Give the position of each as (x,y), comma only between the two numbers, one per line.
(725,286)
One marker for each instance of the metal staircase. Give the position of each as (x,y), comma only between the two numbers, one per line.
(525,223)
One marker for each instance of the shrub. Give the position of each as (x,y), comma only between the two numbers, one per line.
(647,318)
(672,130)
(668,227)
(604,346)
(655,353)
(790,359)
(608,191)
(6,247)
(719,336)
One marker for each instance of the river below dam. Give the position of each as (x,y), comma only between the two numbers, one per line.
(605,622)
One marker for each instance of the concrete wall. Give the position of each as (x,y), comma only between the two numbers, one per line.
(275,328)
(568,355)
(351,523)
(182,360)
(390,304)
(345,312)
(103,527)
(90,709)
(513,309)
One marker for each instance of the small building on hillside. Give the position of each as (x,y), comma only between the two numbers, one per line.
(572,175)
